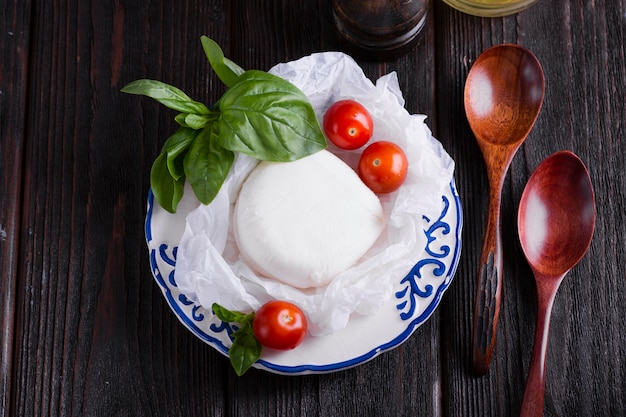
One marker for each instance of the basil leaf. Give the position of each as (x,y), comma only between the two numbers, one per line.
(229,316)
(155,89)
(226,70)
(180,119)
(168,95)
(175,146)
(245,350)
(233,67)
(207,164)
(260,115)
(268,118)
(167,190)
(198,121)
(185,106)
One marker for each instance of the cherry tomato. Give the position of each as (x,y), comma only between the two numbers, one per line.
(279,325)
(348,124)
(383,167)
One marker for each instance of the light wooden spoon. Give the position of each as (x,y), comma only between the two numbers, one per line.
(503,96)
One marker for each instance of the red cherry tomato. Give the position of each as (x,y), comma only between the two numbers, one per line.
(279,325)
(383,167)
(348,124)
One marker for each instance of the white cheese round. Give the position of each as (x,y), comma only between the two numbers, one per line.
(304,222)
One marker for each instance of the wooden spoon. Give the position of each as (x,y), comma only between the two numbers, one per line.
(556,218)
(503,96)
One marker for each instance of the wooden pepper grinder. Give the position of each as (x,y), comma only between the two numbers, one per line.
(380,28)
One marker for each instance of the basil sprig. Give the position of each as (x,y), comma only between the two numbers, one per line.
(245,349)
(260,115)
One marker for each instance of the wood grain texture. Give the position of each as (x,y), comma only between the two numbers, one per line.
(14,50)
(553,33)
(86,331)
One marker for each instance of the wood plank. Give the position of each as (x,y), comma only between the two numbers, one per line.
(14,53)
(96,336)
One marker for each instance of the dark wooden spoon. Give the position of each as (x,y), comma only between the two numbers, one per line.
(503,96)
(556,219)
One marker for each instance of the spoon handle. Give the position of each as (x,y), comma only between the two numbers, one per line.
(532,404)
(489,288)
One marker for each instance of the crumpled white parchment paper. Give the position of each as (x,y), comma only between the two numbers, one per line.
(208,266)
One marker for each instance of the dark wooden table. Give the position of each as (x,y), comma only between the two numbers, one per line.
(84,329)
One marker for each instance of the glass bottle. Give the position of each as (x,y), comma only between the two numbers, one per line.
(382,27)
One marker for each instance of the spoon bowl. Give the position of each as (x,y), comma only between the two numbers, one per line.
(556,215)
(503,97)
(556,220)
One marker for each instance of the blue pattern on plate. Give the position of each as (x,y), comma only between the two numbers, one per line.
(441,262)
(413,290)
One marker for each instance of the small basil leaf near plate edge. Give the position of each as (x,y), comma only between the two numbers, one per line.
(268,118)
(167,190)
(245,350)
(207,164)
(229,316)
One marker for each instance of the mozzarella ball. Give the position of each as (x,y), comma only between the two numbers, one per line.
(304,222)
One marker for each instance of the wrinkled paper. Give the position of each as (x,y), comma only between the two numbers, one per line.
(208,266)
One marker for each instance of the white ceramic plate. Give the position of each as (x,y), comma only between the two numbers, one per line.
(414,298)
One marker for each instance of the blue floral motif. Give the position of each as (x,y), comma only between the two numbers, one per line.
(196,310)
(409,294)
(223,326)
(170,260)
(195,314)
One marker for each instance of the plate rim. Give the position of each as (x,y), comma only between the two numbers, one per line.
(303,369)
